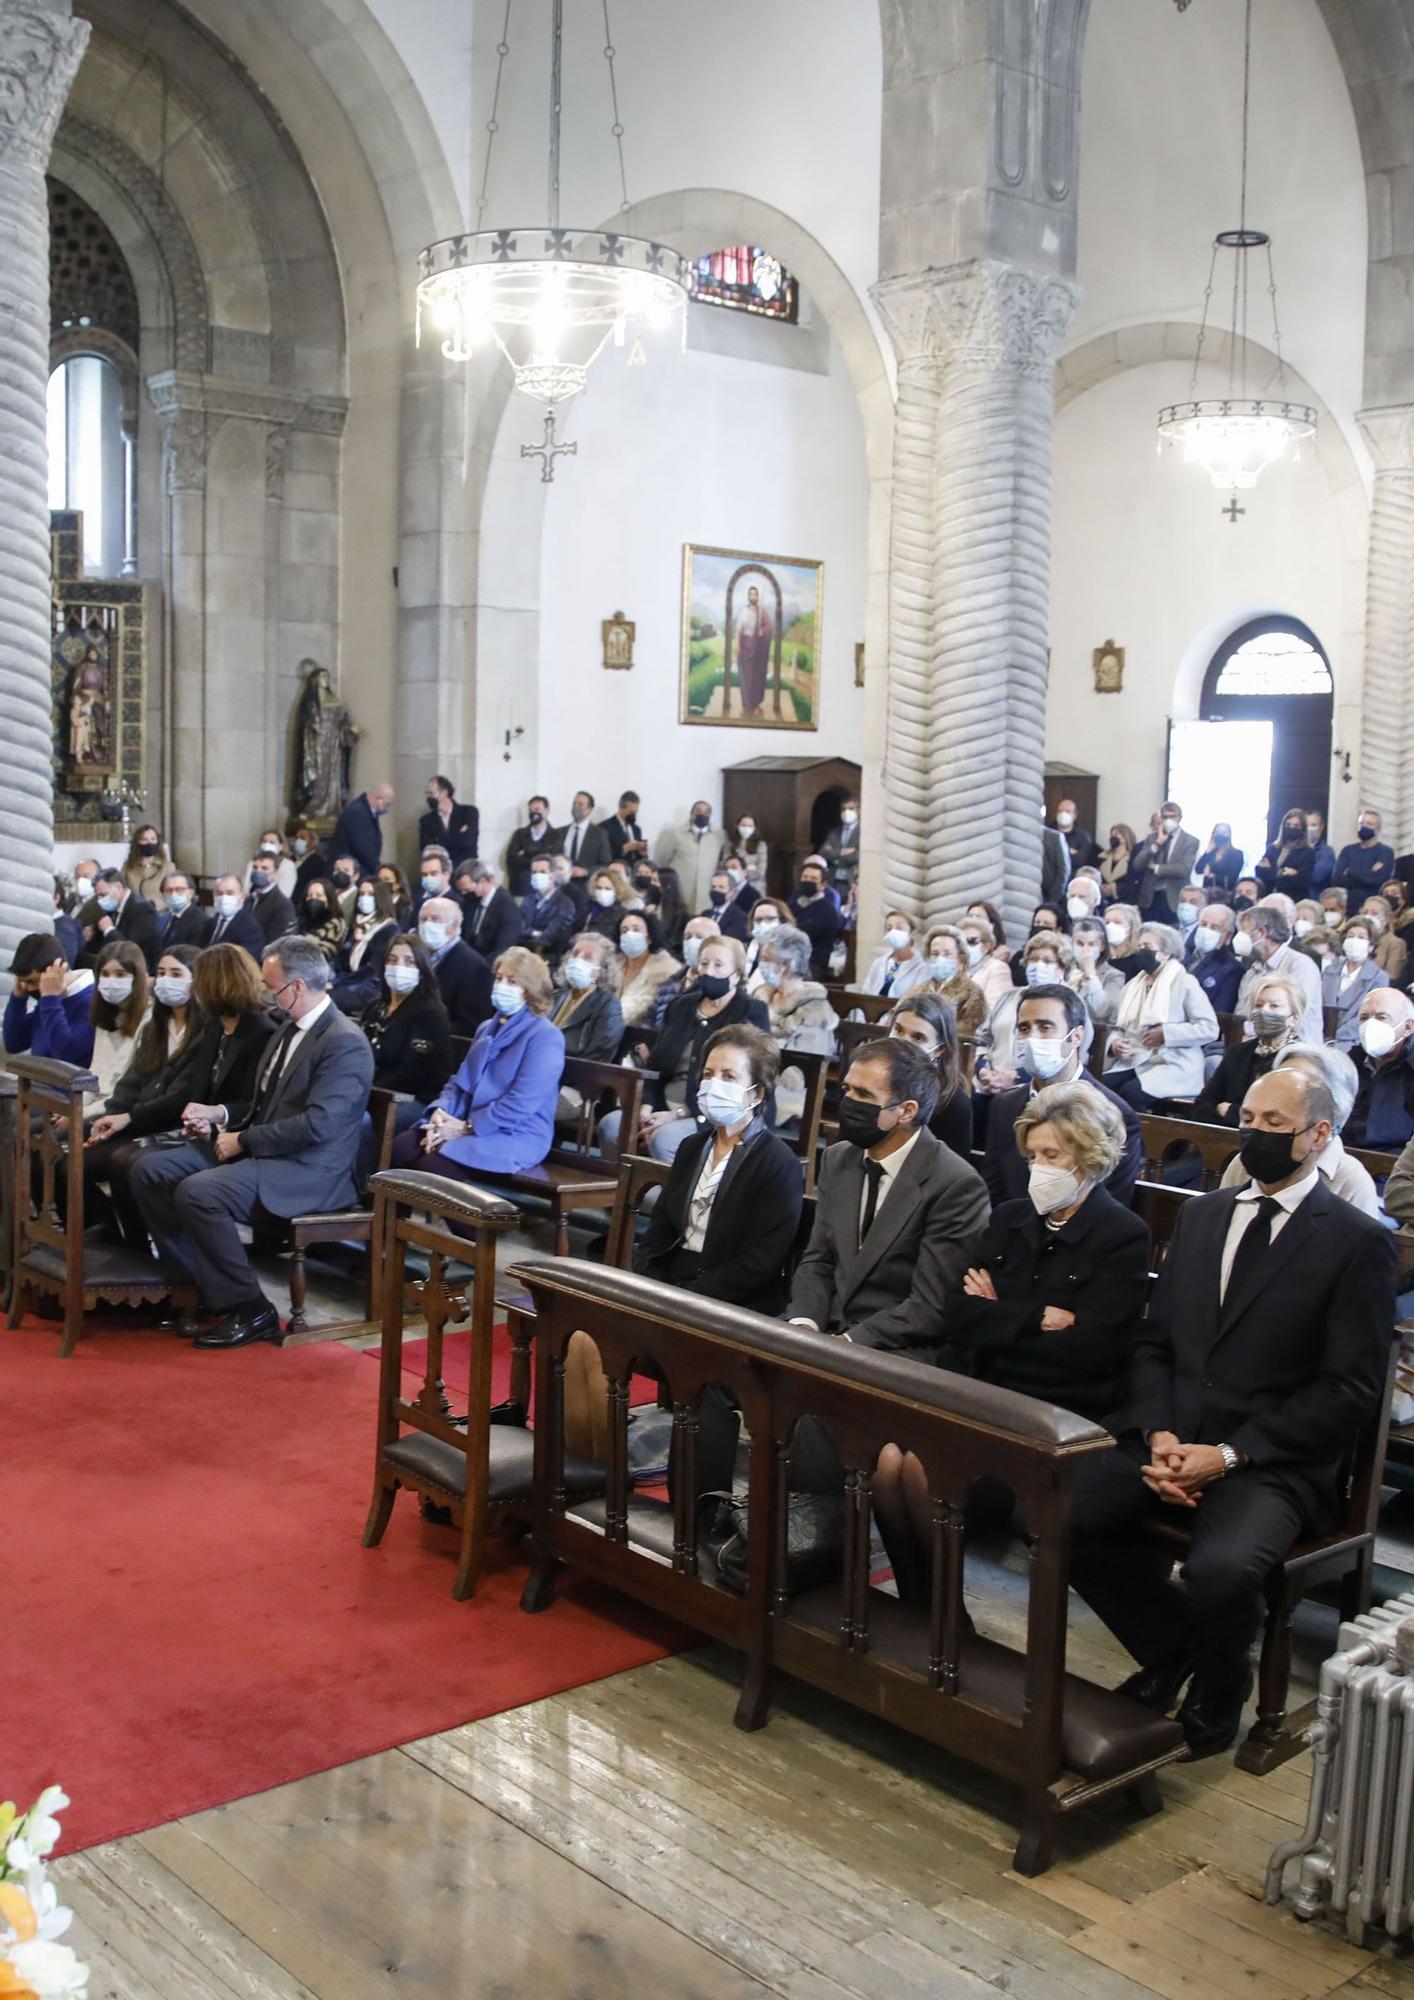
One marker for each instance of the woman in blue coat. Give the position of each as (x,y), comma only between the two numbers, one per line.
(497,1115)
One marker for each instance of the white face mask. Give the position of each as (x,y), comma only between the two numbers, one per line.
(116,987)
(849,817)
(1377,1037)
(1334,918)
(172,992)
(433,935)
(633,944)
(1076,907)
(722,1102)
(1051,1188)
(1043,1056)
(269,847)
(1356,949)
(540,884)
(1168,826)
(943,969)
(1188,914)
(1038,973)
(1304,927)
(506,997)
(1242,944)
(605,898)
(763,926)
(747,829)
(401,978)
(1116,933)
(1065,821)
(580,973)
(226,906)
(1206,938)
(897,940)
(366,906)
(974,950)
(691,950)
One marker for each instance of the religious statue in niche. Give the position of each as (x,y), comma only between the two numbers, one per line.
(325,738)
(89,717)
(619,634)
(1109,668)
(751,633)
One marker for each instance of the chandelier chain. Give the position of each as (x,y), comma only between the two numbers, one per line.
(1276,323)
(1203,323)
(503,49)
(557,39)
(617,128)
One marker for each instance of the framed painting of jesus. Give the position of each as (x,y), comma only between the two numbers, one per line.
(751,634)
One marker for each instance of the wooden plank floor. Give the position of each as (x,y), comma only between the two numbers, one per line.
(624,1838)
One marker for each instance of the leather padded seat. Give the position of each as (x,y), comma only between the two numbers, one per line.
(512,1458)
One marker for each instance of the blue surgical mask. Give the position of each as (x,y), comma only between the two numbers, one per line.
(691,950)
(401,978)
(540,884)
(768,974)
(506,997)
(227,905)
(633,944)
(1042,1056)
(721,1102)
(433,935)
(108,903)
(580,973)
(173,992)
(177,900)
(1038,974)
(433,885)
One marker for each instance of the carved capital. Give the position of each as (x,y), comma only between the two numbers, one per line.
(40,50)
(906,308)
(1389,432)
(185,433)
(1001,318)
(277,445)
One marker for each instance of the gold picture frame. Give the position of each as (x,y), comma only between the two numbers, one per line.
(752,633)
(1108,661)
(618,634)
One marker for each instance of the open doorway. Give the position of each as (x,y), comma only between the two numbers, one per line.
(1275,670)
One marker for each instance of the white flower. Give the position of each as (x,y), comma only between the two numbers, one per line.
(20,1857)
(50,1916)
(50,1971)
(39,1826)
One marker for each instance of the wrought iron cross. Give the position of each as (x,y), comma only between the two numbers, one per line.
(549,451)
(1232,510)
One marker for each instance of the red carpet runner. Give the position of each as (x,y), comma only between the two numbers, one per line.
(188,1613)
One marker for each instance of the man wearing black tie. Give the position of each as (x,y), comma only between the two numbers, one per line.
(584,845)
(491,923)
(623,832)
(232,919)
(289,1152)
(1265,1354)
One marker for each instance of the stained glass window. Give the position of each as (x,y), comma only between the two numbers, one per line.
(746,278)
(1274,663)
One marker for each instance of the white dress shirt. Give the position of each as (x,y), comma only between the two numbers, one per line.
(699,1205)
(1245,1207)
(892,1166)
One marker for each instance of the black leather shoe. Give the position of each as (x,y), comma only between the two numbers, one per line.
(1212,1714)
(1159,1685)
(242,1325)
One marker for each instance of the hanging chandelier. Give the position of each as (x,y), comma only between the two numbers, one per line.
(1237,436)
(549,298)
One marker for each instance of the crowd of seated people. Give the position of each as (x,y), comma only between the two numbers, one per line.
(975,1210)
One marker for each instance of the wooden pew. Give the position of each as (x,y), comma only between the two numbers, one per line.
(1216,1146)
(1159,1207)
(576,1175)
(873,1006)
(1060,1740)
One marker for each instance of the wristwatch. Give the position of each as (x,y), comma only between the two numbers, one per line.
(1232,1458)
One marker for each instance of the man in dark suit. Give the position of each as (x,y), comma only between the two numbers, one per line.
(585,844)
(816,910)
(122,913)
(491,923)
(1163,863)
(463,976)
(576,887)
(1051,1024)
(1215,965)
(623,832)
(897,1216)
(1264,1356)
(232,920)
(726,912)
(547,914)
(271,907)
(1383,1117)
(290,1152)
(183,921)
(1080,843)
(528,843)
(359,831)
(1055,864)
(448,824)
(435,882)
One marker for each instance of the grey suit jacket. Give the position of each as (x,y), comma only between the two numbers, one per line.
(303,1134)
(1171,873)
(889,1291)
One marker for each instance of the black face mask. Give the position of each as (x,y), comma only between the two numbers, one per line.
(1145,960)
(1365,832)
(1268,1156)
(316,910)
(714,985)
(804,888)
(1293,833)
(702,821)
(859,1123)
(148,847)
(342,879)
(717,898)
(1242,903)
(643,881)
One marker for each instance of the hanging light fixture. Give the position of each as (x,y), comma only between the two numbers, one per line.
(1236,437)
(550,298)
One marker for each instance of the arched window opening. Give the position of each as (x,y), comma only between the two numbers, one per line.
(746,278)
(87,456)
(1275,670)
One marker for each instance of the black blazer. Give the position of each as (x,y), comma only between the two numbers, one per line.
(681,1029)
(730,920)
(493,926)
(1004,1170)
(952,1123)
(459,836)
(1291,1364)
(594,849)
(217,1069)
(464,982)
(274,913)
(412,1048)
(1300,861)
(1242,1063)
(352,990)
(241,929)
(596,1027)
(1095,1266)
(521,850)
(618,832)
(136,921)
(752,1225)
(189,928)
(359,832)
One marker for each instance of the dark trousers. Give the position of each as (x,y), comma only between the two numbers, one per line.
(113,1160)
(192,1209)
(1241,1528)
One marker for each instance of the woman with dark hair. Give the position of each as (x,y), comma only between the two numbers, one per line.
(358,965)
(396,884)
(722,1227)
(1289,860)
(407,1025)
(1220,864)
(147,862)
(928,1020)
(321,918)
(166,1037)
(717,1000)
(643,963)
(121,998)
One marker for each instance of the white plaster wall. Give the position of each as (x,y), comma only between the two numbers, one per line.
(693,448)
(1159,170)
(1143,555)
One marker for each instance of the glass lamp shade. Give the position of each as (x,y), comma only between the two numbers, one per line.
(1236,438)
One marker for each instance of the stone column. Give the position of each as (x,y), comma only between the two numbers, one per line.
(40,47)
(977,343)
(1387,709)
